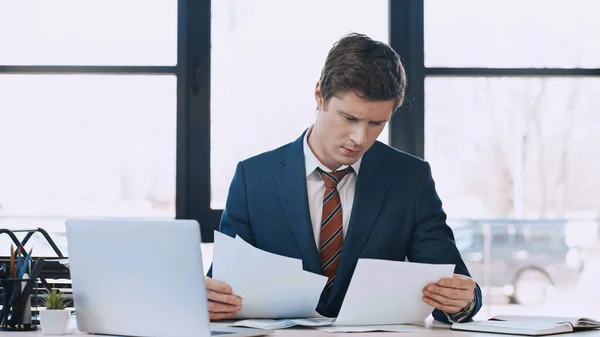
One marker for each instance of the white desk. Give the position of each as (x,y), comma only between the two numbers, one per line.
(307,332)
(425,333)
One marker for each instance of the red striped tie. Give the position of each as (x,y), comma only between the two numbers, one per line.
(332,236)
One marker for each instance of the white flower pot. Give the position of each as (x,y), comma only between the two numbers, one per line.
(54,322)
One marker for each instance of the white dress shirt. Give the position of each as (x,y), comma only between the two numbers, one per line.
(315,186)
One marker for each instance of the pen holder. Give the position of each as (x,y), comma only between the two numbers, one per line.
(16,304)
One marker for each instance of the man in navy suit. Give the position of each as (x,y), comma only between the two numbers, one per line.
(336,194)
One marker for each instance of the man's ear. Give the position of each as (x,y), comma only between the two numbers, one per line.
(318,96)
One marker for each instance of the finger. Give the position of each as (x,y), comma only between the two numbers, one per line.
(467,280)
(446,301)
(451,293)
(458,281)
(219,316)
(447,309)
(217,286)
(222,307)
(223,298)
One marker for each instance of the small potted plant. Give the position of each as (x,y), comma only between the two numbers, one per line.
(55,319)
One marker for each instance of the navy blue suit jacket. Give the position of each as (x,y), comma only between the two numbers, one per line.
(397,214)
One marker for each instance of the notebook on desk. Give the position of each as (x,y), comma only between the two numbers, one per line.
(529,325)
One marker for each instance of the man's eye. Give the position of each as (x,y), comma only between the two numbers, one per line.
(350,118)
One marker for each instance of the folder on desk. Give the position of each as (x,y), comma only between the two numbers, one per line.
(529,325)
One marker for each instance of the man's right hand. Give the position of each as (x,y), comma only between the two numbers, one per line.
(222,304)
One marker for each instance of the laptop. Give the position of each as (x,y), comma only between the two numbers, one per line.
(141,278)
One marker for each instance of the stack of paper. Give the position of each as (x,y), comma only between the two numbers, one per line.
(324,324)
(274,324)
(270,285)
(369,328)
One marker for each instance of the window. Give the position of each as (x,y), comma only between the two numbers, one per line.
(500,238)
(88,113)
(263,79)
(514,147)
(511,131)
(511,33)
(87,145)
(91,32)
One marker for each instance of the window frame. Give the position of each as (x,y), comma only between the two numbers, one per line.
(193,72)
(180,70)
(407,127)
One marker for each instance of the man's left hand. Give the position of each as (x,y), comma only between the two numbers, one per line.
(450,295)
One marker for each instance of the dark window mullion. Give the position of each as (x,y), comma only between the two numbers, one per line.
(407,39)
(181,185)
(198,120)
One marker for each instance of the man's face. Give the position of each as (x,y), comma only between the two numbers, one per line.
(346,127)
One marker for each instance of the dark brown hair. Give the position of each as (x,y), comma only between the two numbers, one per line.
(372,69)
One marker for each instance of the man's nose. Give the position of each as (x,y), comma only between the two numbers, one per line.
(359,135)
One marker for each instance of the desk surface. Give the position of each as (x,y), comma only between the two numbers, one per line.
(307,332)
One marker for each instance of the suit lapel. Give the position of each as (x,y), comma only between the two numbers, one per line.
(290,181)
(368,198)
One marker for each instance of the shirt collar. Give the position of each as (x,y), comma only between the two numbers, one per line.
(311,162)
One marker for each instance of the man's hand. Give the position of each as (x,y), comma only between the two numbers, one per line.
(450,295)
(222,304)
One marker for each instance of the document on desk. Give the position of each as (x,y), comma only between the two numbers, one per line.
(372,328)
(389,292)
(274,324)
(324,324)
(270,285)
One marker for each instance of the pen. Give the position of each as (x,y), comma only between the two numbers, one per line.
(25,265)
(12,261)
(18,266)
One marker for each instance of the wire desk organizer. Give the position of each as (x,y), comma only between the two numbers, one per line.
(24,281)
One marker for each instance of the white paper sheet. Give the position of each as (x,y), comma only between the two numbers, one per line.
(273,286)
(366,328)
(276,287)
(323,324)
(273,324)
(223,249)
(389,292)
